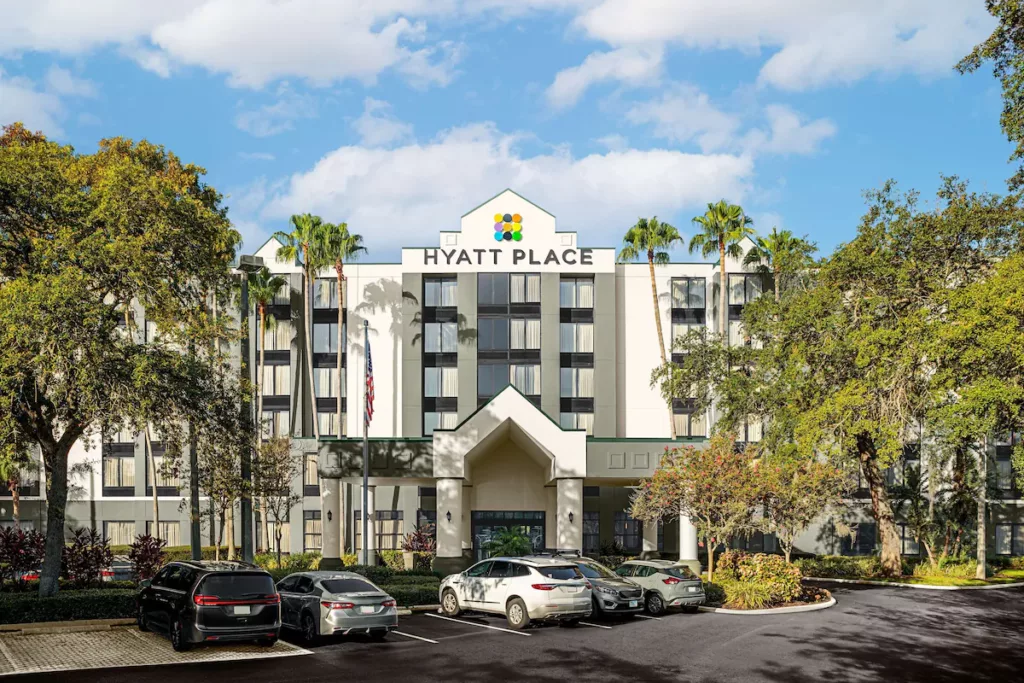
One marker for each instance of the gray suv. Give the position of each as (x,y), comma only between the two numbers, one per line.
(666,584)
(612,594)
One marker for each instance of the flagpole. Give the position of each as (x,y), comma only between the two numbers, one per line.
(366,444)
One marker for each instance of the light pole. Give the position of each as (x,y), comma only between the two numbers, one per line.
(246,264)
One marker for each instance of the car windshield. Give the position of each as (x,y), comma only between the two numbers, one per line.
(561,573)
(595,571)
(347,586)
(680,572)
(238,585)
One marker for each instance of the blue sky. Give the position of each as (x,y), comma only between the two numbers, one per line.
(399,115)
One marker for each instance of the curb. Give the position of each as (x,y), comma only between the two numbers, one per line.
(923,586)
(408,611)
(64,626)
(777,610)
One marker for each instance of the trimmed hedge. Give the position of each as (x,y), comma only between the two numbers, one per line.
(103,603)
(410,596)
(178,552)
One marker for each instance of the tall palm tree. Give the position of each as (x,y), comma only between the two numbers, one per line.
(780,253)
(338,246)
(301,242)
(723,226)
(263,287)
(652,238)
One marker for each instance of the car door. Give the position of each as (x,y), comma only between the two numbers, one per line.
(149,598)
(644,576)
(305,598)
(286,587)
(472,585)
(496,584)
(164,592)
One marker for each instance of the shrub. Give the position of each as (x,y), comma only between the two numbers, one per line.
(839,567)
(147,556)
(413,580)
(22,608)
(176,552)
(295,562)
(727,564)
(951,567)
(374,573)
(20,551)
(779,579)
(612,561)
(748,595)
(1016,562)
(714,593)
(86,557)
(421,539)
(392,559)
(349,559)
(412,595)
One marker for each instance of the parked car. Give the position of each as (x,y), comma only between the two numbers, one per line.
(666,583)
(323,603)
(201,601)
(523,589)
(612,594)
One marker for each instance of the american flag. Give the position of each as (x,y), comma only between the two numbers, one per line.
(369,383)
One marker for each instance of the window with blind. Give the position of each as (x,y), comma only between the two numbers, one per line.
(440,292)
(591,531)
(325,338)
(283,297)
(328,422)
(628,532)
(119,533)
(1009,539)
(433,421)
(275,423)
(165,480)
(441,382)
(576,293)
(577,421)
(167,531)
(123,435)
(387,526)
(441,338)
(525,378)
(577,382)
(325,293)
(118,473)
(690,424)
(576,337)
(325,382)
(524,333)
(744,288)
(278,337)
(524,288)
(276,380)
(312,530)
(688,292)
(286,535)
(310,475)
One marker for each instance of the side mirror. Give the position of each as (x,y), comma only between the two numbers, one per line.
(145,583)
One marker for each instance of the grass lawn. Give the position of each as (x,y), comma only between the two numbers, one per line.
(1002,577)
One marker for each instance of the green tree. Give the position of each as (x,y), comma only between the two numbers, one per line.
(338,246)
(782,255)
(652,239)
(301,243)
(910,500)
(509,542)
(81,238)
(14,458)
(263,287)
(723,228)
(274,471)
(715,487)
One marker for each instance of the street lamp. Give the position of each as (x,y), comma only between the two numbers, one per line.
(246,264)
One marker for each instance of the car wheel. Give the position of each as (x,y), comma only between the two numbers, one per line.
(569,623)
(595,608)
(450,604)
(378,635)
(140,619)
(690,609)
(178,641)
(267,642)
(655,605)
(310,632)
(516,614)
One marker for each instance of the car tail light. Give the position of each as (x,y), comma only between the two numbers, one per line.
(337,605)
(388,603)
(589,585)
(544,586)
(214,601)
(671,581)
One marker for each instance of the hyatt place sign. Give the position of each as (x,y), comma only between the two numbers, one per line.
(503,258)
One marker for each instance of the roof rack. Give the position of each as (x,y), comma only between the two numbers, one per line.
(557,551)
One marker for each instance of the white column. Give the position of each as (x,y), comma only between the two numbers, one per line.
(569,519)
(650,538)
(449,531)
(370,539)
(687,539)
(330,521)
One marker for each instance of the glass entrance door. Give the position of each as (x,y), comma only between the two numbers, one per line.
(487,524)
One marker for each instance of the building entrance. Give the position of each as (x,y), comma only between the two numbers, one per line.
(487,524)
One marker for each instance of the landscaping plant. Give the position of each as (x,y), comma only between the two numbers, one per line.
(86,557)
(147,556)
(509,542)
(20,552)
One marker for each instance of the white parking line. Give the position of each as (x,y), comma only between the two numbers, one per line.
(409,635)
(585,623)
(644,616)
(470,623)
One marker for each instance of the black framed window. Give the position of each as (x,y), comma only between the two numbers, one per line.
(440,292)
(591,531)
(688,421)
(576,292)
(908,545)
(388,525)
(325,294)
(629,532)
(860,541)
(167,481)
(310,475)
(312,530)
(1009,539)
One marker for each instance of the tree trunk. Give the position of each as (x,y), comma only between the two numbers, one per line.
(982,570)
(220,536)
(307,301)
(778,289)
(55,455)
(711,561)
(340,267)
(661,336)
(277,542)
(787,551)
(891,558)
(152,482)
(15,504)
(231,532)
(723,316)
(261,335)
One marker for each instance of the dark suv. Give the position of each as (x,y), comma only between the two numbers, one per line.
(198,601)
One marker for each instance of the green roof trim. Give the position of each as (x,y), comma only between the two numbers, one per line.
(647,439)
(376,439)
(491,400)
(507,189)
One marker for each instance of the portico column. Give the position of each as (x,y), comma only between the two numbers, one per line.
(569,520)
(370,539)
(330,522)
(688,543)
(449,518)
(650,547)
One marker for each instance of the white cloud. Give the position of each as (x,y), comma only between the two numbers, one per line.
(630,65)
(151,60)
(789,132)
(256,156)
(279,116)
(686,114)
(378,126)
(417,184)
(61,82)
(20,100)
(613,142)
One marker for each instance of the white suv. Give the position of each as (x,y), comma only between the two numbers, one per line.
(522,589)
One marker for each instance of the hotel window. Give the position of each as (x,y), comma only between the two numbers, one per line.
(440,292)
(168,531)
(123,435)
(119,533)
(283,297)
(525,378)
(576,293)
(576,337)
(325,294)
(118,474)
(325,337)
(492,334)
(628,532)
(276,380)
(688,421)
(1004,471)
(286,534)
(152,333)
(591,531)
(433,421)
(167,482)
(750,431)
(275,423)
(328,423)
(524,288)
(577,421)
(1009,539)
(325,382)
(577,382)
(524,334)
(689,293)
(491,378)
(312,530)
(908,546)
(441,382)
(860,540)
(388,526)
(441,338)
(310,475)
(744,288)
(278,337)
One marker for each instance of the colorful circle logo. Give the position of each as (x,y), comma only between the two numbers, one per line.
(508,227)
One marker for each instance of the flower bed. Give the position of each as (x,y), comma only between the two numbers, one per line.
(947,572)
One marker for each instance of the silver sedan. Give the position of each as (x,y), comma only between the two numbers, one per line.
(324,603)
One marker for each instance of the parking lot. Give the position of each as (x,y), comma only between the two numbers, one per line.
(871,634)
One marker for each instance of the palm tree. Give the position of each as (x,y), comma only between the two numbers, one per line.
(301,242)
(338,246)
(652,238)
(780,253)
(509,542)
(724,226)
(263,287)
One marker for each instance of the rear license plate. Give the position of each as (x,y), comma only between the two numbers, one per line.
(633,603)
(573,589)
(693,589)
(243,609)
(366,610)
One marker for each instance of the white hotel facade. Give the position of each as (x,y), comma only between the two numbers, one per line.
(512,389)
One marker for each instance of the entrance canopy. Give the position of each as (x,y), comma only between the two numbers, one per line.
(511,416)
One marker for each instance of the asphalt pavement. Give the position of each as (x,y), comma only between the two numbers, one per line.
(872,634)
